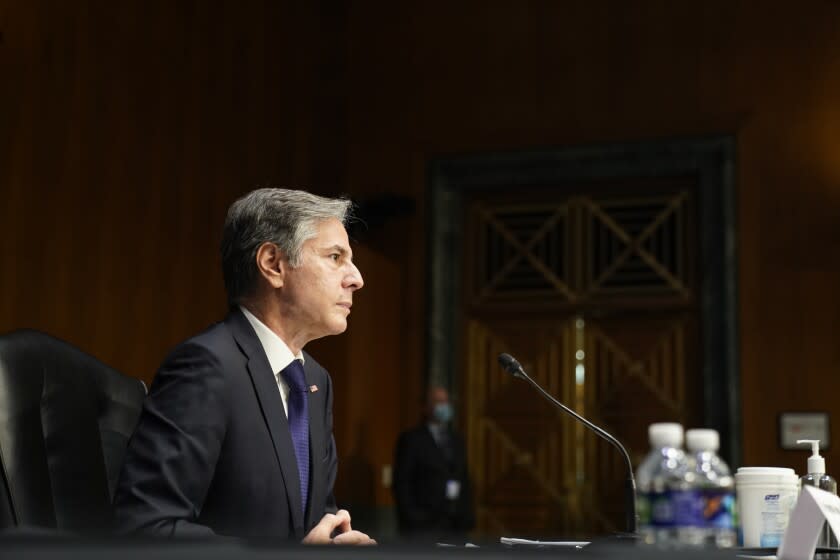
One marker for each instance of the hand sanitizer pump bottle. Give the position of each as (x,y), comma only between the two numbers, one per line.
(816,477)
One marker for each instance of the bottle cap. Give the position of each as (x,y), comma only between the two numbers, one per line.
(702,440)
(665,434)
(816,463)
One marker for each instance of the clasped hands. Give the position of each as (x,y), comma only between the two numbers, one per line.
(335,529)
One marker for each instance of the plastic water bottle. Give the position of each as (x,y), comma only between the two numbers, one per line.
(712,518)
(663,485)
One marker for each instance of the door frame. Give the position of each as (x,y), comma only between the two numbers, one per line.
(711,159)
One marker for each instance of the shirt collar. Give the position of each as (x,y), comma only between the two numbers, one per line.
(278,353)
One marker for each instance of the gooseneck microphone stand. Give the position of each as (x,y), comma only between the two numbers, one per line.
(510,365)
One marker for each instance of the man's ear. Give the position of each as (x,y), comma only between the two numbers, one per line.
(271,264)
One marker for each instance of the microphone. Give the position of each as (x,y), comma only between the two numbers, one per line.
(513,367)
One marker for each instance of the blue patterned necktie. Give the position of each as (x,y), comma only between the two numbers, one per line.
(298,406)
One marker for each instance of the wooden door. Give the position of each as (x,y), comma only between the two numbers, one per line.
(593,290)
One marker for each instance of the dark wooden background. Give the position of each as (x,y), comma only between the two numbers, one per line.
(126,129)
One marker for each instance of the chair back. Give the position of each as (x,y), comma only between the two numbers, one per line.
(65,422)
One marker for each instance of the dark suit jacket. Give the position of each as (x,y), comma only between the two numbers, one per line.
(212,452)
(420,475)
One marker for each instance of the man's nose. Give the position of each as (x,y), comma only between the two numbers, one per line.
(354,278)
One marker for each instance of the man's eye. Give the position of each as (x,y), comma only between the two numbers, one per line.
(335,256)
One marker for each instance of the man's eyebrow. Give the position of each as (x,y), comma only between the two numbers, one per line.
(338,249)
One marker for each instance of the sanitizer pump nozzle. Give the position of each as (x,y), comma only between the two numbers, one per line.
(816,463)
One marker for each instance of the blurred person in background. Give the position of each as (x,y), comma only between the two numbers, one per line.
(431,483)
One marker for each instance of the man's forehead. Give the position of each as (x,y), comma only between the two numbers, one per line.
(331,235)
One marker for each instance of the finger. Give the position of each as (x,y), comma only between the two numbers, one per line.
(328,522)
(320,533)
(342,521)
(351,538)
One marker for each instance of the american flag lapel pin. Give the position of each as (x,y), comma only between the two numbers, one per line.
(313,388)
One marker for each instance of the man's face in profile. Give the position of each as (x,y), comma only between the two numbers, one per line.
(318,294)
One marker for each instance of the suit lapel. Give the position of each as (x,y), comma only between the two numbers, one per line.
(271,405)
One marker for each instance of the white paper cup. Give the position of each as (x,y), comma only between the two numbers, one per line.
(765,497)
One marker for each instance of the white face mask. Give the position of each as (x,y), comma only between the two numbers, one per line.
(442,412)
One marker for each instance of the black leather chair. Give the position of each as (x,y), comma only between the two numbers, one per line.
(65,421)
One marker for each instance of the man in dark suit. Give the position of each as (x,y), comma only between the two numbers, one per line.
(236,434)
(431,483)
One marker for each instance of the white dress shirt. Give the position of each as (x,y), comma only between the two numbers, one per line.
(279,355)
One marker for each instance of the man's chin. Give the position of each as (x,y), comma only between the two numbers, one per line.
(338,327)
(331,330)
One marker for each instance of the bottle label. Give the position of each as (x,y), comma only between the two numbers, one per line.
(702,507)
(717,508)
(775,513)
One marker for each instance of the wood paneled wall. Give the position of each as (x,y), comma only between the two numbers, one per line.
(442,81)
(127,128)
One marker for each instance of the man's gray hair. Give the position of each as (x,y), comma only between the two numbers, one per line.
(287,218)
